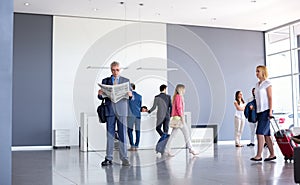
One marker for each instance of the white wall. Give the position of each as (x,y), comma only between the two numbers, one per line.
(81,42)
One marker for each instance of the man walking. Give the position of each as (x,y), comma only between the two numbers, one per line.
(164,107)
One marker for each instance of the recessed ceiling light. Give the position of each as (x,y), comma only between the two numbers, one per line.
(264,23)
(253,1)
(203,8)
(122,2)
(214,19)
(96,9)
(26,4)
(141,4)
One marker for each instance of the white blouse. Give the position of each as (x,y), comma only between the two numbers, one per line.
(240,113)
(261,96)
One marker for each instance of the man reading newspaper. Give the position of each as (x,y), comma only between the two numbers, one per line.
(115,91)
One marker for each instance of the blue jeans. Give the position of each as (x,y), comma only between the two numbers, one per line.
(121,123)
(136,123)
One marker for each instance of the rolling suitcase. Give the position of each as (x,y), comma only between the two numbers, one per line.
(161,144)
(284,141)
(297,164)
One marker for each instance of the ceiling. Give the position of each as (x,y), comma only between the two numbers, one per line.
(259,15)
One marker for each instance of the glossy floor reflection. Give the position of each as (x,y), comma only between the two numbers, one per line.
(216,164)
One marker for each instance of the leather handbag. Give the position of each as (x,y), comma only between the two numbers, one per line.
(176,122)
(101,112)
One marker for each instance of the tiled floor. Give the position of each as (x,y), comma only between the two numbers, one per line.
(216,164)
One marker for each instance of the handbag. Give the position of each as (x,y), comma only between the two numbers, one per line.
(101,112)
(176,122)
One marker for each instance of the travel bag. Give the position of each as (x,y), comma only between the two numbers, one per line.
(161,144)
(284,140)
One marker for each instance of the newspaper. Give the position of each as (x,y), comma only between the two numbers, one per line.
(115,92)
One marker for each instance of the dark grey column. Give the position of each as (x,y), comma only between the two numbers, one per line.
(6,42)
(32,80)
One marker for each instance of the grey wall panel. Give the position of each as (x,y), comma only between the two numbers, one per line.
(214,63)
(32,70)
(6,75)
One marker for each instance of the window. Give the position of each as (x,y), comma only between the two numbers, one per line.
(282,61)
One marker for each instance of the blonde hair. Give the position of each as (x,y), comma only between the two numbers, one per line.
(264,71)
(178,90)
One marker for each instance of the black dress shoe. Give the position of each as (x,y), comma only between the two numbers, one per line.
(298,136)
(125,162)
(296,140)
(106,162)
(270,158)
(251,144)
(253,159)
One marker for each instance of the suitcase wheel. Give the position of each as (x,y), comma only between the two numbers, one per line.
(288,158)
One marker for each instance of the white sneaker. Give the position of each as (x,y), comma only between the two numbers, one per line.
(194,152)
(168,154)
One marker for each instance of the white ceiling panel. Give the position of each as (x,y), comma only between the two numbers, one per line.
(260,15)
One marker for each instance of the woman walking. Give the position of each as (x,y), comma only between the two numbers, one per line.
(263,95)
(178,114)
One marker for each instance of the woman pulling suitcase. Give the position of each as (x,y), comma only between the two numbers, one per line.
(263,95)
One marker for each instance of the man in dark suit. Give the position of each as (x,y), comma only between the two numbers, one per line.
(116,114)
(164,108)
(134,118)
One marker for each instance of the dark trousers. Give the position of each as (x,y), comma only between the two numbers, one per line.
(165,124)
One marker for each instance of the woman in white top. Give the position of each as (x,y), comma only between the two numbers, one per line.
(239,117)
(263,96)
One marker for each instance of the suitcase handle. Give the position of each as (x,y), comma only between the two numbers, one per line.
(272,117)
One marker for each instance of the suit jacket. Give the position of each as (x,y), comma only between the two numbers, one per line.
(135,105)
(121,107)
(251,114)
(163,104)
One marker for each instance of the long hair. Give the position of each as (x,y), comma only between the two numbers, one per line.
(237,98)
(178,90)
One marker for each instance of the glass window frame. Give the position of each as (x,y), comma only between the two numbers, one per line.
(276,46)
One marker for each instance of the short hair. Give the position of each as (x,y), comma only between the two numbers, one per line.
(114,63)
(144,107)
(162,87)
(132,86)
